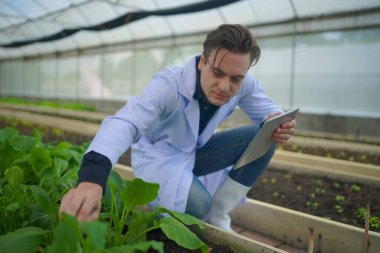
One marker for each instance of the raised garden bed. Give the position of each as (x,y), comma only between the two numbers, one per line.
(342,154)
(331,199)
(319,196)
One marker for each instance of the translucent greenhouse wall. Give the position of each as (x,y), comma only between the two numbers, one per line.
(331,72)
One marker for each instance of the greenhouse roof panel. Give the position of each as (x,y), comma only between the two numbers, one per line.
(24,22)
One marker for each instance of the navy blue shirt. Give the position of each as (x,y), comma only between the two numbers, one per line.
(96,167)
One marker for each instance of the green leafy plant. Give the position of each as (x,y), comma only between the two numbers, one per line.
(361,213)
(340,198)
(124,212)
(33,178)
(339,209)
(312,205)
(355,188)
(336,185)
(374,222)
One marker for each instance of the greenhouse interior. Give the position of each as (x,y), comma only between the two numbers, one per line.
(103,85)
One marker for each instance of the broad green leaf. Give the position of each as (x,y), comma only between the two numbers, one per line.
(37,134)
(139,192)
(15,176)
(8,155)
(115,183)
(140,223)
(23,143)
(67,235)
(64,145)
(63,153)
(60,165)
(12,206)
(179,233)
(38,217)
(68,180)
(95,235)
(7,133)
(183,217)
(23,240)
(40,159)
(42,198)
(75,155)
(140,247)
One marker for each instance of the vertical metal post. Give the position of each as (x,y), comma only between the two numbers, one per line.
(39,77)
(56,90)
(23,78)
(293,57)
(77,65)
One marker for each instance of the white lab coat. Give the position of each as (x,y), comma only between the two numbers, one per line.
(162,123)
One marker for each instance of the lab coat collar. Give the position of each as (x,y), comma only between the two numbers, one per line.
(188,79)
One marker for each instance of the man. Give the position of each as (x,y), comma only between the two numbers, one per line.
(171,127)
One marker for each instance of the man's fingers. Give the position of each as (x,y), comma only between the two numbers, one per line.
(83,202)
(71,203)
(90,209)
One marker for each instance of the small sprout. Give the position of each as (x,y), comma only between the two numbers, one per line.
(336,185)
(312,195)
(312,205)
(339,198)
(319,190)
(264,180)
(299,188)
(351,158)
(287,176)
(328,155)
(363,157)
(273,180)
(338,209)
(342,153)
(374,222)
(355,188)
(361,213)
(275,194)
(294,147)
(319,182)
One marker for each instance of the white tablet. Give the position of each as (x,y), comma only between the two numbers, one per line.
(261,143)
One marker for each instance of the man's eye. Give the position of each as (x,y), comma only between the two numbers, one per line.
(235,80)
(218,74)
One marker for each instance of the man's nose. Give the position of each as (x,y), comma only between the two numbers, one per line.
(224,84)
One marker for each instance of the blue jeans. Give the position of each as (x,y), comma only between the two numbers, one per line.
(222,150)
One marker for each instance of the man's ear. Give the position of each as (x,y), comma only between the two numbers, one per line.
(201,62)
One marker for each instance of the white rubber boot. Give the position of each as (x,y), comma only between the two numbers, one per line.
(226,198)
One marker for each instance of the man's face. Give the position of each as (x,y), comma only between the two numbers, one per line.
(222,76)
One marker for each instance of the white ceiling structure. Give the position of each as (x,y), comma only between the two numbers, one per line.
(28,20)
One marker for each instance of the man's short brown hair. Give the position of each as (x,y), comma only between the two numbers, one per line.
(234,38)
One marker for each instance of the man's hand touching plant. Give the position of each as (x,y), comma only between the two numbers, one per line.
(84,202)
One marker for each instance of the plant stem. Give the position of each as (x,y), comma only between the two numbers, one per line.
(112,206)
(143,232)
(366,226)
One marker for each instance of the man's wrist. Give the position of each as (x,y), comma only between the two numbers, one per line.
(95,168)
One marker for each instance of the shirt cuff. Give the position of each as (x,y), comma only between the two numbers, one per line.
(95,168)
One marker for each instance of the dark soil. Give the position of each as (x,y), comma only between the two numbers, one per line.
(342,154)
(320,196)
(171,246)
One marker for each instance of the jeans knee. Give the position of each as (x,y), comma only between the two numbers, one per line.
(199,208)
(199,200)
